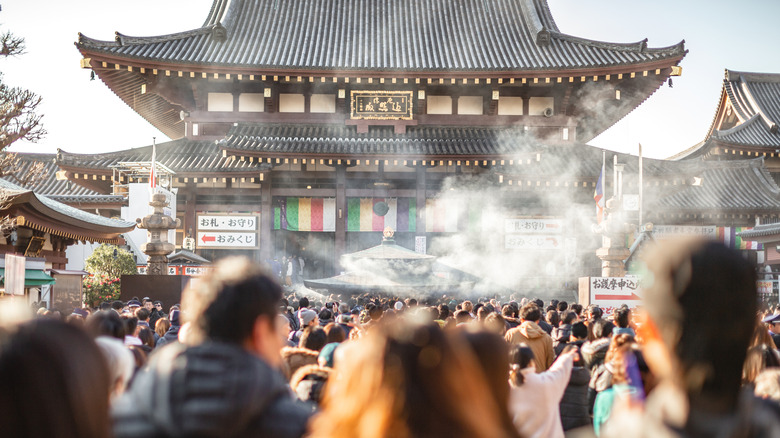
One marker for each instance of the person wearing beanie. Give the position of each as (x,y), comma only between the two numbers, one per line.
(306,317)
(172,335)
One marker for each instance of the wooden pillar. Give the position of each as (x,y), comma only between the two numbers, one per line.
(266,220)
(421,197)
(341,215)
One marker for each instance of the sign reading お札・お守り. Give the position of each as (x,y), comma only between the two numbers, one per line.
(227,222)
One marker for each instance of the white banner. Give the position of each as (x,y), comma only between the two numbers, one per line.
(221,239)
(14,274)
(420,244)
(533,242)
(533,226)
(667,231)
(227,222)
(195,270)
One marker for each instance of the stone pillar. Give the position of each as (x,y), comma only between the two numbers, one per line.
(613,251)
(421,197)
(266,220)
(341,214)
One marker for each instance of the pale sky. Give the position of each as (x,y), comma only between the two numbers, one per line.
(84,116)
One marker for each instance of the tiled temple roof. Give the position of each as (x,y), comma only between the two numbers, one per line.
(755,100)
(185,157)
(60,190)
(382,35)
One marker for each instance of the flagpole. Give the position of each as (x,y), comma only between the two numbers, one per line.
(614,177)
(152,173)
(641,185)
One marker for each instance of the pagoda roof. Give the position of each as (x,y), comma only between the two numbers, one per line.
(381,36)
(184,157)
(42,213)
(755,100)
(388,250)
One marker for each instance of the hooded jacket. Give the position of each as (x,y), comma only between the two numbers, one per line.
(537,339)
(210,390)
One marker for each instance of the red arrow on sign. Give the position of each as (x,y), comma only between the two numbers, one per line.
(206,238)
(632,297)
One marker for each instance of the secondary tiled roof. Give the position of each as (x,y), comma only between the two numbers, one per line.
(185,157)
(382,35)
(763,230)
(340,140)
(84,218)
(59,190)
(734,186)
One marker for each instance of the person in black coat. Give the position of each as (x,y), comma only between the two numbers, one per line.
(574,404)
(226,383)
(172,335)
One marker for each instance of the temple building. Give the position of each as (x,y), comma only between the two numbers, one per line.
(308,127)
(745,123)
(745,129)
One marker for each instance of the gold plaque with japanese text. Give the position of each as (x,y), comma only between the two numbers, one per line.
(381,105)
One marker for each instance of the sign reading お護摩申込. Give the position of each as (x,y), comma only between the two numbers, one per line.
(609,293)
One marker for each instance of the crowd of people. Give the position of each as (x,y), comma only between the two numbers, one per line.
(238,358)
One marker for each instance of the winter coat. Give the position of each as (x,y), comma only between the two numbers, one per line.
(544,325)
(574,404)
(209,390)
(600,380)
(594,352)
(171,336)
(294,358)
(540,343)
(534,405)
(560,335)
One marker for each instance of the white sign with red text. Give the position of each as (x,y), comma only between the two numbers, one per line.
(609,293)
(533,226)
(227,222)
(532,241)
(224,239)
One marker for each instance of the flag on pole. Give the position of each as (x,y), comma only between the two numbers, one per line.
(598,195)
(152,172)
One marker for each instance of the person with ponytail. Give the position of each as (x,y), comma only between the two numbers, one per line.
(535,398)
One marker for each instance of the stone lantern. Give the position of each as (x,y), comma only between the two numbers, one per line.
(157,246)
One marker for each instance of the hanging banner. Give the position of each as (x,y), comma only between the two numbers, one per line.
(305,214)
(452,215)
